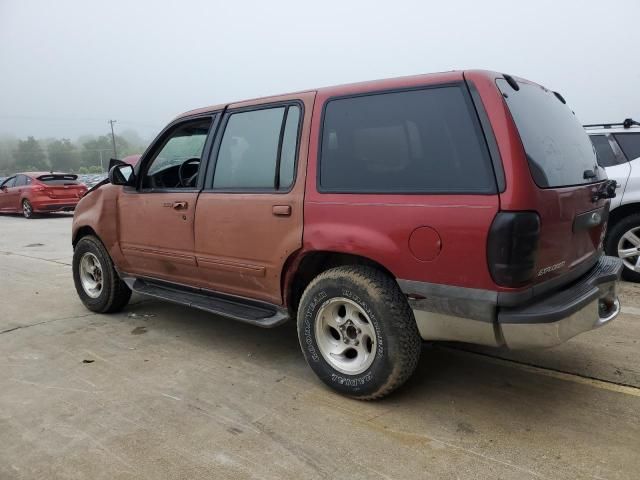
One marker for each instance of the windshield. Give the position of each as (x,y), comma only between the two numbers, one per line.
(558,149)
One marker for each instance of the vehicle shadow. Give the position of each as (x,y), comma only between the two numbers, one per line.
(444,375)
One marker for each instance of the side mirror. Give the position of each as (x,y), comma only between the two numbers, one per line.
(121,175)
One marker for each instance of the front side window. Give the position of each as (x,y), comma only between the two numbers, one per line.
(258,149)
(177,163)
(604,152)
(419,141)
(9,182)
(629,143)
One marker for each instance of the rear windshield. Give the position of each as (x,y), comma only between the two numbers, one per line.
(59,179)
(558,149)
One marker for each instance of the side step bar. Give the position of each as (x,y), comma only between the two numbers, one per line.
(242,309)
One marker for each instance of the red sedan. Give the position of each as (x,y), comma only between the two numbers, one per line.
(34,192)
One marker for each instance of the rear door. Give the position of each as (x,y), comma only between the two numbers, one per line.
(249,218)
(563,164)
(611,158)
(629,142)
(155,219)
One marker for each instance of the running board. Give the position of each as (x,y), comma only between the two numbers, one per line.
(242,309)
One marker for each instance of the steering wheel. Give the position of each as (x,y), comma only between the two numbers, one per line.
(186,181)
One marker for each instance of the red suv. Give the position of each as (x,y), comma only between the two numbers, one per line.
(32,192)
(465,206)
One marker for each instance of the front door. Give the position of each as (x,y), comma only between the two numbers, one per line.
(249,218)
(8,195)
(156,217)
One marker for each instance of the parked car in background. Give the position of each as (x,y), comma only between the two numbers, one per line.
(618,149)
(38,192)
(377,214)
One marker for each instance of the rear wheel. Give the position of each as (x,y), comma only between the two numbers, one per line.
(624,241)
(27,209)
(357,332)
(96,280)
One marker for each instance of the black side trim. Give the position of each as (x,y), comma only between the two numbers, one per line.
(238,308)
(490,138)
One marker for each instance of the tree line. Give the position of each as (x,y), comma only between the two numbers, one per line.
(87,154)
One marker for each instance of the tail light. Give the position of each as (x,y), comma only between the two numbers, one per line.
(512,248)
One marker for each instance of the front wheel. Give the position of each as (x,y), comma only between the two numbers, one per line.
(357,332)
(623,241)
(96,280)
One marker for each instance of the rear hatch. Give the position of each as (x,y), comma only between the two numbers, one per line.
(563,164)
(62,186)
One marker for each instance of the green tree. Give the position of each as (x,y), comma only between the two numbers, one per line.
(29,155)
(63,155)
(101,147)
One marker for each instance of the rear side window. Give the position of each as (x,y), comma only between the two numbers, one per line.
(418,141)
(604,152)
(21,180)
(59,179)
(258,149)
(629,143)
(557,147)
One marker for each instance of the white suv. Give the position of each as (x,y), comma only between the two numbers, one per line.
(618,148)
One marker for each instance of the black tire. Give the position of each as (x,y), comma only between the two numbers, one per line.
(614,236)
(399,343)
(27,209)
(114,294)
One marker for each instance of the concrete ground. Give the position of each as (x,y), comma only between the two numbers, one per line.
(160,391)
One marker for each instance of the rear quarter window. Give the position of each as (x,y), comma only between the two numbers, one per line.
(604,152)
(417,141)
(629,143)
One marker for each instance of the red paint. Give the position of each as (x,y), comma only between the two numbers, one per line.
(425,244)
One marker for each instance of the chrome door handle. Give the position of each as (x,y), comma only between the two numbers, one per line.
(180,205)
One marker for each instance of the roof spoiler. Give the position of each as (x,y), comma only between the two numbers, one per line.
(628,123)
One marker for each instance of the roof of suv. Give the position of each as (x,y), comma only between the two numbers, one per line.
(394,82)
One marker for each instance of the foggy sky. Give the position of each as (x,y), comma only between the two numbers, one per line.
(66,67)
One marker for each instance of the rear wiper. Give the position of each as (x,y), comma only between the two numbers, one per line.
(588,174)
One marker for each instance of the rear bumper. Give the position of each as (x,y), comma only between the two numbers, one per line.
(585,305)
(474,316)
(55,204)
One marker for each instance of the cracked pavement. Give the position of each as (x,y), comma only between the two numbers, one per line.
(165,392)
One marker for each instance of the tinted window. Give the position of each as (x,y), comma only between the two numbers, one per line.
(415,141)
(604,152)
(10,182)
(185,142)
(21,180)
(249,149)
(557,147)
(630,144)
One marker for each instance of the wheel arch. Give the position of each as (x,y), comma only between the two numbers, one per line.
(622,212)
(300,269)
(83,232)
